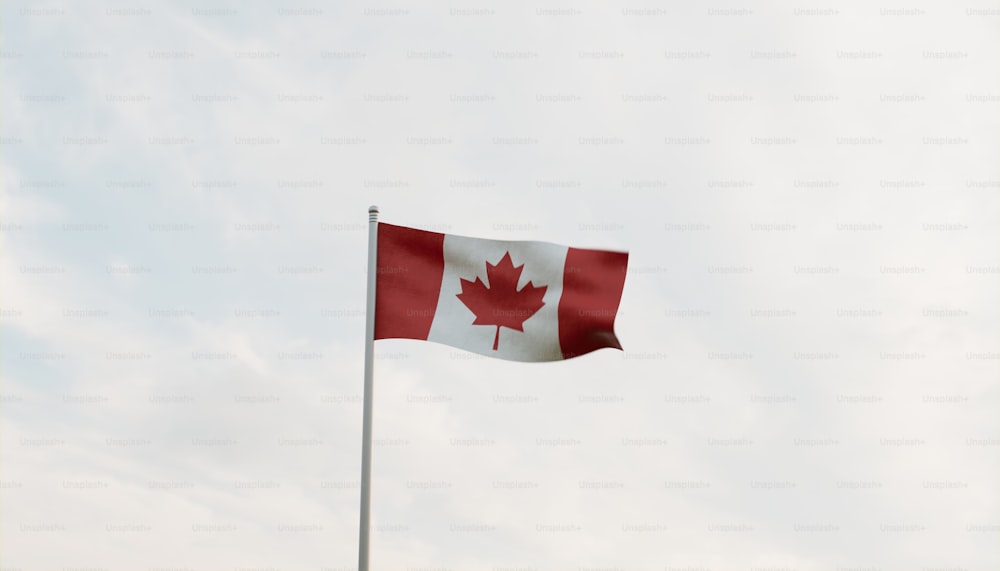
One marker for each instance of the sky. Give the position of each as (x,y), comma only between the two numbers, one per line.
(808,194)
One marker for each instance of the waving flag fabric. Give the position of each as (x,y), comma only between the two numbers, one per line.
(515,300)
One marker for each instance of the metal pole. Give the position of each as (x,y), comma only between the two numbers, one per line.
(366,429)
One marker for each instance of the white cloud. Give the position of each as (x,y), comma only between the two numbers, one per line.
(810,318)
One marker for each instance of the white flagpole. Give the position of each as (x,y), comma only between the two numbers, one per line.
(366,429)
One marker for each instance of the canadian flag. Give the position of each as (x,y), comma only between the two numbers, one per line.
(515,300)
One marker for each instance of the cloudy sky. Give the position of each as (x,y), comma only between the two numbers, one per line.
(809,196)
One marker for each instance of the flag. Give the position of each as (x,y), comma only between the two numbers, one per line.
(514,300)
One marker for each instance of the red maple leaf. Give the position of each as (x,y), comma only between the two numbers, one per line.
(499,302)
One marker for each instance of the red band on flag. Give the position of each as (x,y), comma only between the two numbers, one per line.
(408,281)
(592,289)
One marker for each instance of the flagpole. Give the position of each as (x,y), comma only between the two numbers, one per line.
(366,427)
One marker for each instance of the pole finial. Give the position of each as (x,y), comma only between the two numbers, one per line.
(372,213)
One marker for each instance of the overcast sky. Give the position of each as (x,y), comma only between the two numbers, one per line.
(808,193)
